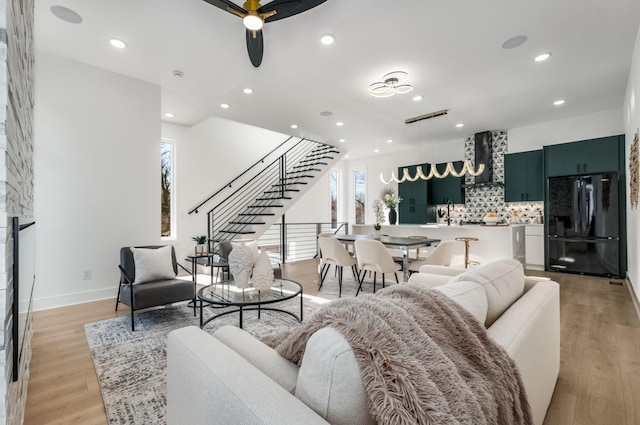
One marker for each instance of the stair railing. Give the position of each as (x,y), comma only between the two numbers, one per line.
(241,175)
(264,193)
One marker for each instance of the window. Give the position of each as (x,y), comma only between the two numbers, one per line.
(333,193)
(167,180)
(359,196)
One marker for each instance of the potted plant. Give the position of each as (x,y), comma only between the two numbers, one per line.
(378,209)
(391,201)
(201,247)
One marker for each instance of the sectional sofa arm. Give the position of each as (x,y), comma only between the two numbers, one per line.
(209,383)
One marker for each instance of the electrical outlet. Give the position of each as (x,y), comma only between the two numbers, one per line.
(86,274)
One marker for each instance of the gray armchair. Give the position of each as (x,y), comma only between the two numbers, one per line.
(154,293)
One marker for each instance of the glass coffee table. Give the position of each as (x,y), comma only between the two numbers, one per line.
(227,294)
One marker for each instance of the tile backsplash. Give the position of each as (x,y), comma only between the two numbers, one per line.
(481,200)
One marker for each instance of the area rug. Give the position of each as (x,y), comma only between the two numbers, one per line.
(131,366)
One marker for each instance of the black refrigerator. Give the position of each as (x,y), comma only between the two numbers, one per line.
(583,223)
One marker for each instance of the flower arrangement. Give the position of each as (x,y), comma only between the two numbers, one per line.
(389,197)
(378,209)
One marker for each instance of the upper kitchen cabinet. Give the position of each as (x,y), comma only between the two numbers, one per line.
(414,206)
(524,176)
(584,157)
(448,188)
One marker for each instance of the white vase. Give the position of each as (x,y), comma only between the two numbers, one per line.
(241,278)
(262,273)
(241,264)
(376,234)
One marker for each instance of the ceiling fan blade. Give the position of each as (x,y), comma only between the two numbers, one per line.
(255,46)
(226,5)
(286,8)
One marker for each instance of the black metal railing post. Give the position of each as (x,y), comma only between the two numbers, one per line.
(283,240)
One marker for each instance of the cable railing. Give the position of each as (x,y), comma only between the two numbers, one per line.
(263,195)
(291,242)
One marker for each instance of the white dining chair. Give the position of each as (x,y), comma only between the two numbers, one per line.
(441,255)
(371,255)
(332,252)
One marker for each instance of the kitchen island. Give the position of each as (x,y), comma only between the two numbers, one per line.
(494,242)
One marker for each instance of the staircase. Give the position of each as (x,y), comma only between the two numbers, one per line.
(267,192)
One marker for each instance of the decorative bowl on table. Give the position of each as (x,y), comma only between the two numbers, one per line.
(491,220)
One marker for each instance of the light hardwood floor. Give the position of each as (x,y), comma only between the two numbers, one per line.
(599,380)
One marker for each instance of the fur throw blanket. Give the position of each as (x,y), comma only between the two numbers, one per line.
(423,359)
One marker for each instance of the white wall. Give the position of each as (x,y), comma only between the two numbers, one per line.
(589,126)
(96,176)
(600,124)
(631,115)
(208,156)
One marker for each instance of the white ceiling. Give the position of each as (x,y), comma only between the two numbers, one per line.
(450,48)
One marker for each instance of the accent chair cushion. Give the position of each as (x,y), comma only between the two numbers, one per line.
(329,380)
(152,264)
(469,295)
(503,282)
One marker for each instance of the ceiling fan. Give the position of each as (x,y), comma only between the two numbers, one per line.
(254,16)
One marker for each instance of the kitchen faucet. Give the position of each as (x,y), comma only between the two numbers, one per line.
(451,205)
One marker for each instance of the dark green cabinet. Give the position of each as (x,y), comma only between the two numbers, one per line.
(584,157)
(524,176)
(449,188)
(414,208)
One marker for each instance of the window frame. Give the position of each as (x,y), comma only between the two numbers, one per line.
(355,194)
(173,215)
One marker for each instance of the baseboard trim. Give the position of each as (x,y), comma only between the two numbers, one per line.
(46,303)
(634,297)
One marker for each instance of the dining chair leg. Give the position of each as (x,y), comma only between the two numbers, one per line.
(382,280)
(375,274)
(356,273)
(325,270)
(396,276)
(361,279)
(340,281)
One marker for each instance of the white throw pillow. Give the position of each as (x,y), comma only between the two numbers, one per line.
(152,264)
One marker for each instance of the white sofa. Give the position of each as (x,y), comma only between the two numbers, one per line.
(231,377)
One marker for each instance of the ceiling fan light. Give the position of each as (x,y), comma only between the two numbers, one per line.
(405,88)
(399,76)
(253,22)
(383,93)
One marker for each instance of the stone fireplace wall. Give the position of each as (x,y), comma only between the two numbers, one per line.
(16,184)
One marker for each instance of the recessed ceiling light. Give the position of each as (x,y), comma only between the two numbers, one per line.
(177,73)
(169,115)
(514,42)
(327,39)
(346,156)
(376,150)
(294,125)
(326,113)
(389,141)
(460,125)
(225,105)
(543,57)
(341,140)
(417,98)
(66,14)
(248,90)
(339,123)
(117,43)
(559,102)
